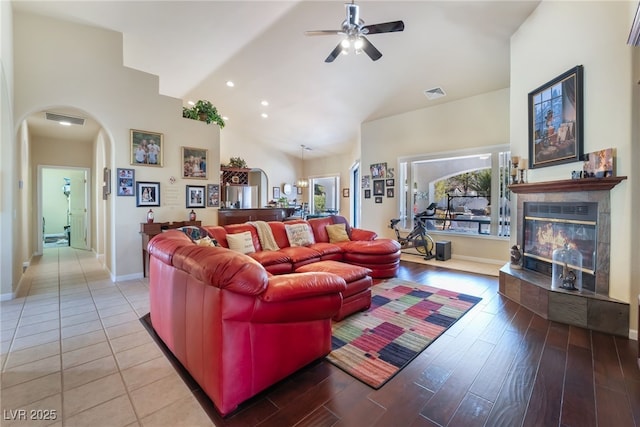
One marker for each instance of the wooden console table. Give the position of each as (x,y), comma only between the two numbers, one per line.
(148,230)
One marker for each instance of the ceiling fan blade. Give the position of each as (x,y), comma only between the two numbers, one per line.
(323,32)
(370,49)
(334,53)
(387,27)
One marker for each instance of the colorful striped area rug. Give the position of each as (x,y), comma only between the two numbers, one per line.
(403,320)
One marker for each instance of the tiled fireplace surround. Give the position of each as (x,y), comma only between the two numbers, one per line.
(592,310)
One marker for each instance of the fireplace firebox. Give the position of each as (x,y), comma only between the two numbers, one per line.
(552,225)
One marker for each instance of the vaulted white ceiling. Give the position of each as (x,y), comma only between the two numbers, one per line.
(195,47)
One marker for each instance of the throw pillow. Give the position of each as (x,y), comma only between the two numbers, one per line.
(241,242)
(337,233)
(206,241)
(194,232)
(299,234)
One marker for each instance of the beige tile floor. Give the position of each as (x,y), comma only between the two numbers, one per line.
(73,349)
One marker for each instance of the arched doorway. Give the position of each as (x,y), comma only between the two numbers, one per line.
(67,139)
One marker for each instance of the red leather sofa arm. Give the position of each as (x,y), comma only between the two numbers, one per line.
(302,285)
(360,234)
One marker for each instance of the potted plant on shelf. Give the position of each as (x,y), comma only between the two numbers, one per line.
(205,111)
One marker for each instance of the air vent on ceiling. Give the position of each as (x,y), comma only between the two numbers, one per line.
(434,93)
(64,118)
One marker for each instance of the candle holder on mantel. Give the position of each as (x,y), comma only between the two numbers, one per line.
(522,167)
(513,170)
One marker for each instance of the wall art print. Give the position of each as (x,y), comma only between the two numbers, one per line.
(555,120)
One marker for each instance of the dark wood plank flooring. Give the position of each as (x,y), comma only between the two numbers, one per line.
(500,365)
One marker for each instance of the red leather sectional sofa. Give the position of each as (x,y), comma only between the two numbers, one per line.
(381,256)
(240,323)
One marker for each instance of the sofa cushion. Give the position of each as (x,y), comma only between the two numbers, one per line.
(337,233)
(241,242)
(299,234)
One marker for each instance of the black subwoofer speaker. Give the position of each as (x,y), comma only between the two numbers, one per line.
(443,250)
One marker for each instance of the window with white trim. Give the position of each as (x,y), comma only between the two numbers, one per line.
(468,187)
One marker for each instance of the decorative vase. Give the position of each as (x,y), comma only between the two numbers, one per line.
(192,215)
(150,216)
(516,257)
(567,269)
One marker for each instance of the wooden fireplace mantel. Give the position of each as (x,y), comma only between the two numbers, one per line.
(566,185)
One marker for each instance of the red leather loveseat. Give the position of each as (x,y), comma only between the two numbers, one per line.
(236,328)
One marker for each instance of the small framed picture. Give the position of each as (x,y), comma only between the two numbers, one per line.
(276,193)
(345,192)
(213,195)
(195,196)
(367,194)
(299,190)
(147,194)
(390,182)
(194,163)
(378,199)
(146,148)
(378,187)
(390,192)
(125,179)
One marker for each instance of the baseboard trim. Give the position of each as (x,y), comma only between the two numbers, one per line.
(126,277)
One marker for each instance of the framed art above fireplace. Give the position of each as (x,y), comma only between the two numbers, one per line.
(555,120)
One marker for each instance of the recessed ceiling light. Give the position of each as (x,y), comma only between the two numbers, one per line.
(191,103)
(230,83)
(225,118)
(265,103)
(264,115)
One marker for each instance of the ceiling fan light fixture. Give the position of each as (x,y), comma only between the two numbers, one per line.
(346,44)
(357,45)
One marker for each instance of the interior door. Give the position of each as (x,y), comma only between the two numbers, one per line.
(78,211)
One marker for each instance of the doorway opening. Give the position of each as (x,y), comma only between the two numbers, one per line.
(63,207)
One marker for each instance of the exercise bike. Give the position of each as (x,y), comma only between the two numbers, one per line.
(418,237)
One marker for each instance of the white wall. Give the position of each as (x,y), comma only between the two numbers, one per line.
(478,121)
(9,270)
(88,75)
(594,37)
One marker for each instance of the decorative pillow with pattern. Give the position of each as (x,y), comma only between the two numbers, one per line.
(194,232)
(299,234)
(241,242)
(337,233)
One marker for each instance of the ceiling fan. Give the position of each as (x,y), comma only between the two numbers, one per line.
(354,29)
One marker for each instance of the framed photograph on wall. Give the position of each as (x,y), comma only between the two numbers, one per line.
(213,195)
(345,192)
(390,192)
(146,148)
(367,194)
(194,163)
(390,182)
(378,187)
(378,199)
(555,120)
(147,194)
(195,196)
(276,193)
(378,170)
(125,181)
